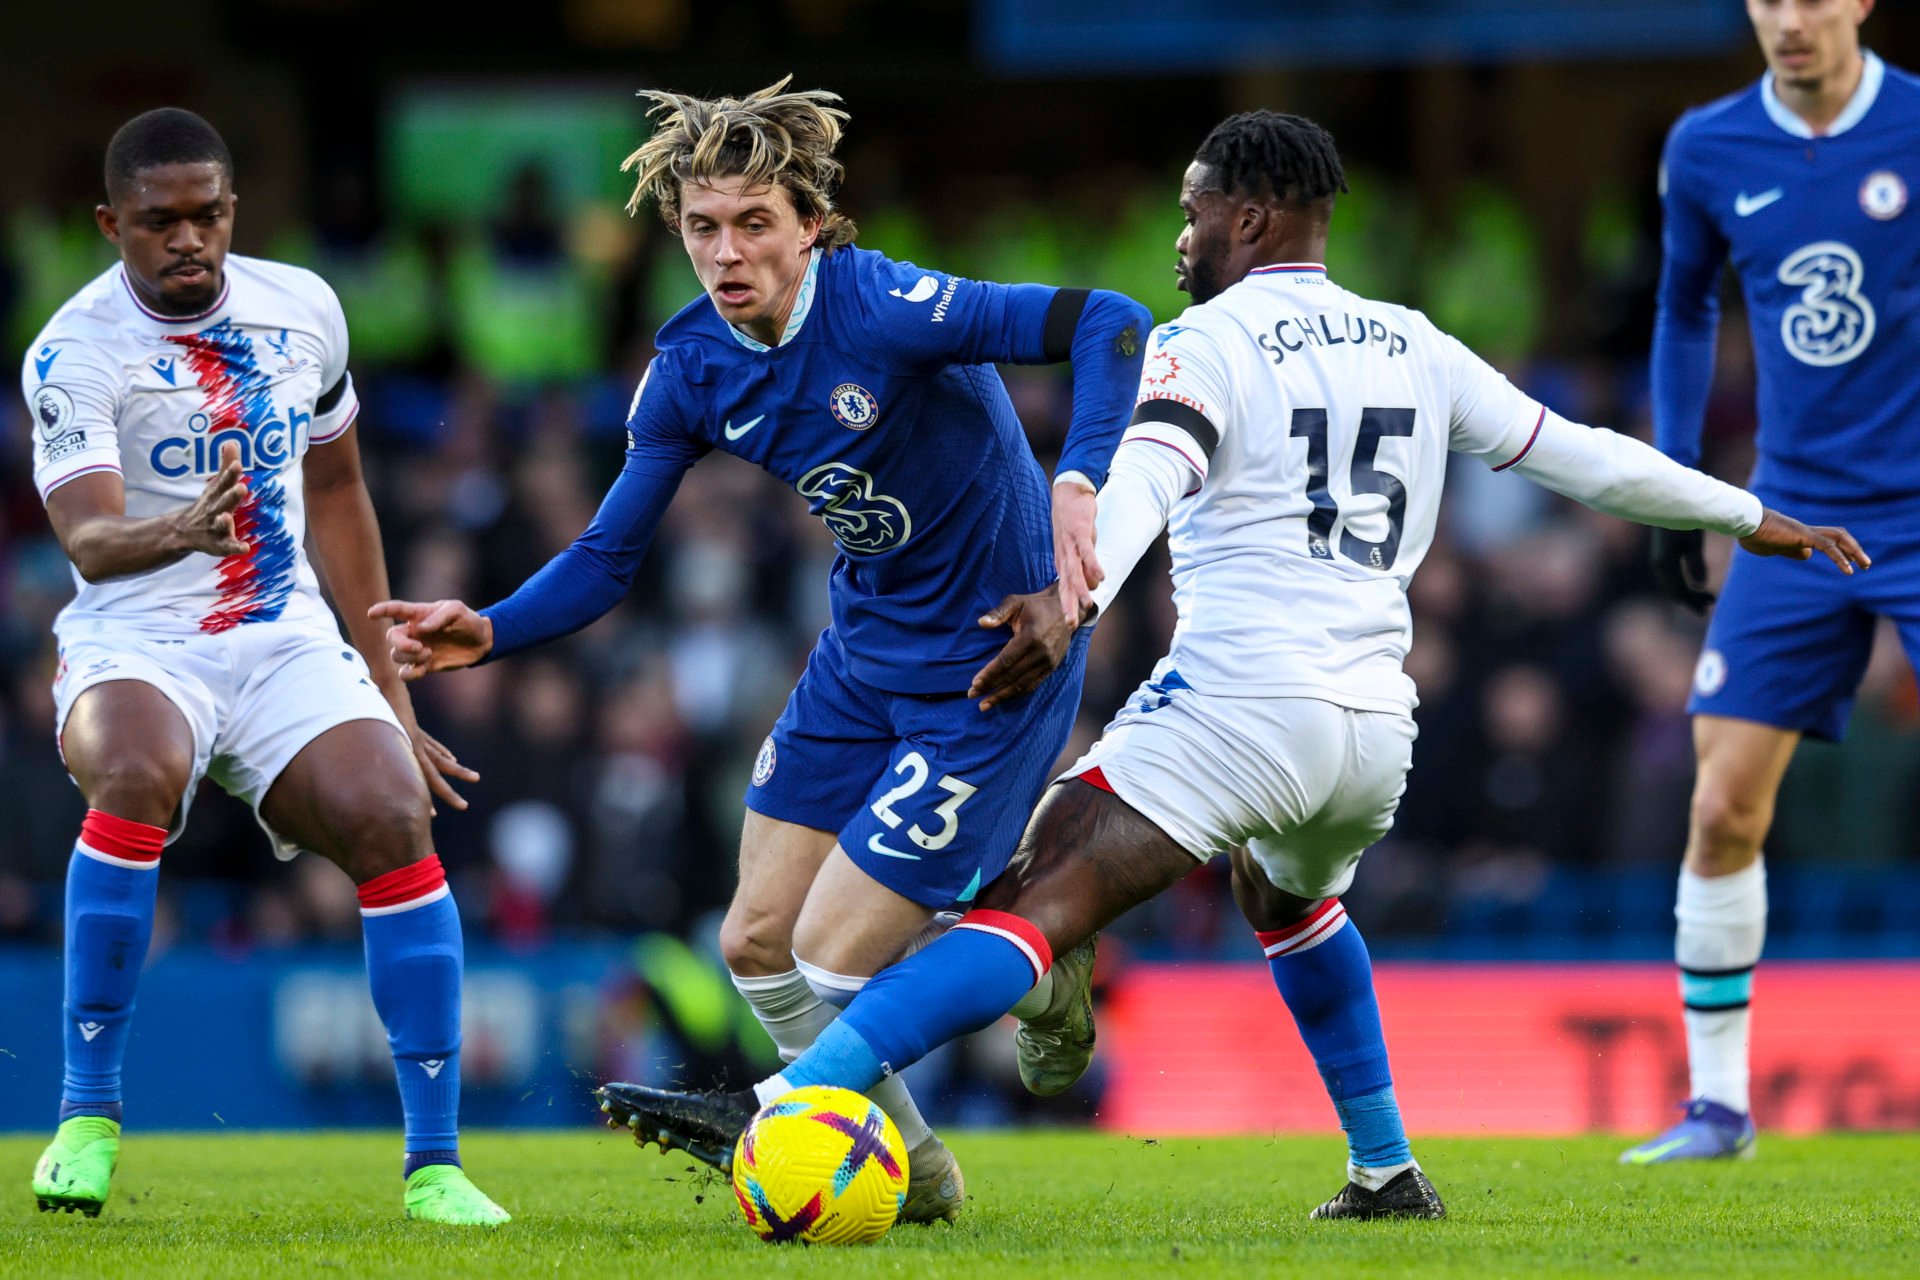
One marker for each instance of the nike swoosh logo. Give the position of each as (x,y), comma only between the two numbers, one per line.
(873,843)
(734,433)
(1746,206)
(1652,1154)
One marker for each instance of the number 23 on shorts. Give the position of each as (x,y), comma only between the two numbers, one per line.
(915,771)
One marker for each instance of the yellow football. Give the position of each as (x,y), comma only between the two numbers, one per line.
(822,1166)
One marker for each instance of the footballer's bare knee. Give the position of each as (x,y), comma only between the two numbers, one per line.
(1087,857)
(1738,778)
(130,751)
(1726,827)
(756,942)
(355,796)
(1265,905)
(778,864)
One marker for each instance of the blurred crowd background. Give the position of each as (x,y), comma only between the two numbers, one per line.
(457,187)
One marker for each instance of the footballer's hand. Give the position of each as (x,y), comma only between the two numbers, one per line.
(437,763)
(439,766)
(1782,535)
(441,635)
(1040,641)
(207,523)
(1074,506)
(1680,567)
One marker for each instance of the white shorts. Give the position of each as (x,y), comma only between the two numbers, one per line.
(253,696)
(1306,785)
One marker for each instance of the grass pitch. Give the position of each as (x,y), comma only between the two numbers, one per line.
(591,1205)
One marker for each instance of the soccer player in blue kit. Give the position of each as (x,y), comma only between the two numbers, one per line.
(1802,181)
(884,793)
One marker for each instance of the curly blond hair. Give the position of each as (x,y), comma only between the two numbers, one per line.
(771,137)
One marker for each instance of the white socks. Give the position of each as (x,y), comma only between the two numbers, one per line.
(1375,1178)
(793,1014)
(1722,925)
(787,1007)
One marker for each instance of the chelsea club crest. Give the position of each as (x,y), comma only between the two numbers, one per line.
(763,763)
(854,406)
(1883,196)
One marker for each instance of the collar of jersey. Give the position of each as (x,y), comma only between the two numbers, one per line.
(226,288)
(801,306)
(1856,109)
(1289,269)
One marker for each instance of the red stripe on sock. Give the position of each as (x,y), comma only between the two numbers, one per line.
(405,884)
(122,837)
(1093,777)
(1277,936)
(1006,922)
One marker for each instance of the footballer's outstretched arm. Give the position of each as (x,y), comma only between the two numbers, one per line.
(575,588)
(1623,477)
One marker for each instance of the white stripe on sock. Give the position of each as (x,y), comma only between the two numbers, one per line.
(433,895)
(1033,957)
(151,864)
(1307,941)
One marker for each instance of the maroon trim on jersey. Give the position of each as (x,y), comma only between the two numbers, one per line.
(89,469)
(1528,447)
(225,289)
(1167,444)
(331,436)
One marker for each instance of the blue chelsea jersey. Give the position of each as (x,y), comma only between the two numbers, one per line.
(882,409)
(1821,232)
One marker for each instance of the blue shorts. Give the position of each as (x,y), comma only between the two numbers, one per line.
(928,794)
(1790,639)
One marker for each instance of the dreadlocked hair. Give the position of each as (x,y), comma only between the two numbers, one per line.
(771,137)
(1267,153)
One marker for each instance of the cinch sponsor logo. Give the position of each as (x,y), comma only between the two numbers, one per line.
(270,446)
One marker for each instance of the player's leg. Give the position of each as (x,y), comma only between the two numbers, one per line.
(1720,908)
(1086,859)
(920,843)
(944,820)
(1353,766)
(323,761)
(1783,656)
(828,746)
(132,753)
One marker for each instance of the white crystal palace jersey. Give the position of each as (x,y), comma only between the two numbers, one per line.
(111,386)
(1334,416)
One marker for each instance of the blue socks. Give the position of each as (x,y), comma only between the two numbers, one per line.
(111,884)
(962,981)
(1325,976)
(414,964)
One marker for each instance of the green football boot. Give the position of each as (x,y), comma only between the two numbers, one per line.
(444,1193)
(1054,1046)
(76,1170)
(935,1190)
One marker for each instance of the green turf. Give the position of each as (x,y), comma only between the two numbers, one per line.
(1044,1205)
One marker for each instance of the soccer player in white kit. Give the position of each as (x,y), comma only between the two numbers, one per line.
(189,408)
(1296,436)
